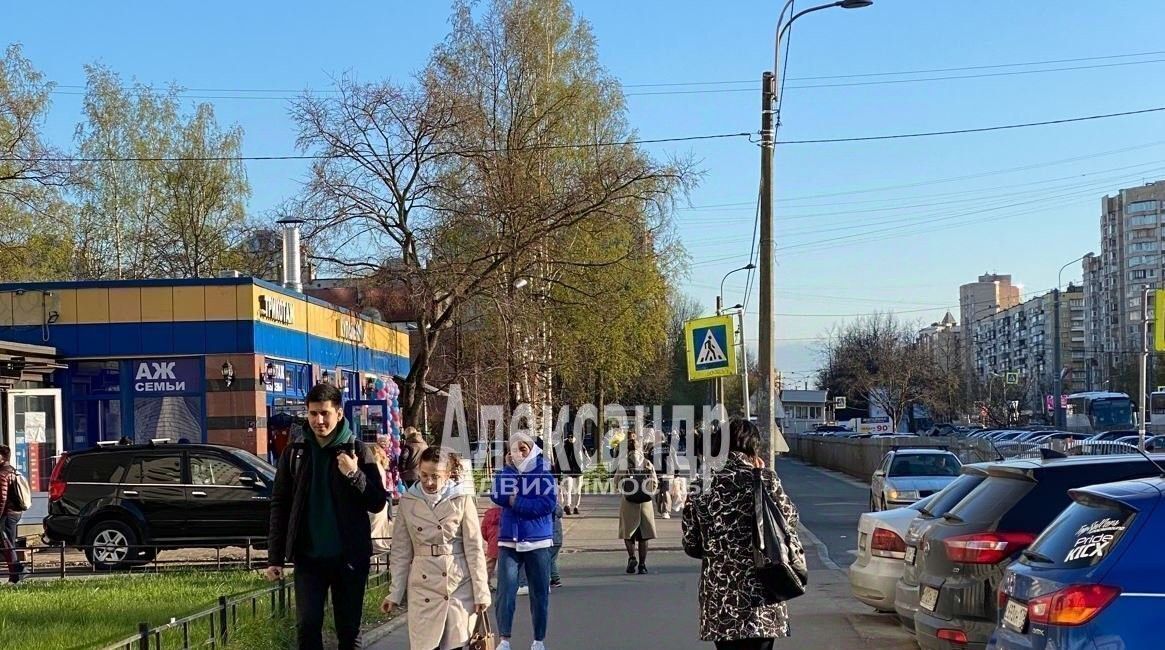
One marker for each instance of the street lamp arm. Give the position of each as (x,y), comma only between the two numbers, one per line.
(797,15)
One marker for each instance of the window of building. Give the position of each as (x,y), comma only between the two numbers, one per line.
(1140,206)
(1142,221)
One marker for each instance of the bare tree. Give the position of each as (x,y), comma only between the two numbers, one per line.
(511,138)
(878,360)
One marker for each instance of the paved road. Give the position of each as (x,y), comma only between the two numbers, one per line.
(830,505)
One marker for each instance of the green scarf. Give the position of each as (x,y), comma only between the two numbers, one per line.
(323,538)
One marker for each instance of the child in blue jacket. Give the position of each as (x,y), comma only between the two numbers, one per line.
(528,496)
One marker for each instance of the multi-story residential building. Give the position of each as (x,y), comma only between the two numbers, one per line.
(945,339)
(989,295)
(1131,242)
(1021,340)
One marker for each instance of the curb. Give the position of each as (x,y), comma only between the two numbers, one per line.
(820,547)
(378,634)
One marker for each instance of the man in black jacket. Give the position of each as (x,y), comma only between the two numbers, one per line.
(326,485)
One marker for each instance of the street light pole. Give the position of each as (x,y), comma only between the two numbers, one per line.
(772,440)
(1143,398)
(719,382)
(1058,380)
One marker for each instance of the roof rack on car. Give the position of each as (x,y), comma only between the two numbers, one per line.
(159,441)
(107,443)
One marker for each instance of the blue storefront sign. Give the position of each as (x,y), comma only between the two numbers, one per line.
(155,376)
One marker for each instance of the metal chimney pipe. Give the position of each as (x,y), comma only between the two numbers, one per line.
(292,275)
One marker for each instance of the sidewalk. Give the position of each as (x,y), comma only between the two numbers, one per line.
(663,606)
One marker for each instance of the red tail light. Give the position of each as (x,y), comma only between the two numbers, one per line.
(56,483)
(1075,605)
(953,636)
(887,543)
(986,548)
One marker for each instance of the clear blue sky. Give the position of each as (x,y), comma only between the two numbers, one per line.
(892,254)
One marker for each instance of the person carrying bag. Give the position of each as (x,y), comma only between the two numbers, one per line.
(735,528)
(483,637)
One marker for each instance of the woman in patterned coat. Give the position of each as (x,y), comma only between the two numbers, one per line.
(718,529)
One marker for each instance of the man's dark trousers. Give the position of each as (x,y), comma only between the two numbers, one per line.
(313,579)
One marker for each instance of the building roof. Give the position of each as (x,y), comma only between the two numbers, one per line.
(804,396)
(948,319)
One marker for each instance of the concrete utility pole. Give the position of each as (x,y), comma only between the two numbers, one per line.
(773,441)
(767,400)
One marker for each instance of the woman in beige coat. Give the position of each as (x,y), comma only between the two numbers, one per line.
(438,557)
(636,518)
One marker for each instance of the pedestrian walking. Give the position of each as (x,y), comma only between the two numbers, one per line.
(10,513)
(572,471)
(664,458)
(438,556)
(718,528)
(490,527)
(637,483)
(527,494)
(279,428)
(326,485)
(379,521)
(410,456)
(555,578)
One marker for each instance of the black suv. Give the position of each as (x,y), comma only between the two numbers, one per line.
(116,502)
(962,557)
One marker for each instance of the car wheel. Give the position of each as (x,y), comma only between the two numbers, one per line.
(110,545)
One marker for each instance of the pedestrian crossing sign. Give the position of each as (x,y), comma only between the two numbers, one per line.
(711,347)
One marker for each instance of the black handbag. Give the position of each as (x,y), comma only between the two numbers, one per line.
(780,569)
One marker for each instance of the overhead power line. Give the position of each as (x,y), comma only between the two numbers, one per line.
(579,145)
(1001,127)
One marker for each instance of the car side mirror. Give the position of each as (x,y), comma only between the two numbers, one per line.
(879,473)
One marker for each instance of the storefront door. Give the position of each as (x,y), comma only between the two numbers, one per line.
(34,432)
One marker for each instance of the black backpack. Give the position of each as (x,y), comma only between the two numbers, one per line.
(634,487)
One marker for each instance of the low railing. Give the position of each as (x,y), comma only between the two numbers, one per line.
(64,560)
(216,626)
(859,457)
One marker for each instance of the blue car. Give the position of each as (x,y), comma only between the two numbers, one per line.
(1094,579)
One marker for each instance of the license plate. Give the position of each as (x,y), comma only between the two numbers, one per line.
(911,551)
(928,599)
(1015,616)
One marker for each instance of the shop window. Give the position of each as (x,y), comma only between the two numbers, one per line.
(170,417)
(95,378)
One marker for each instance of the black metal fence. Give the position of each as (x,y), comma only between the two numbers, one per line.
(216,626)
(67,560)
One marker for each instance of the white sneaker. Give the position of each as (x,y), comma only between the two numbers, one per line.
(522,591)
(504,645)
(667,515)
(537,645)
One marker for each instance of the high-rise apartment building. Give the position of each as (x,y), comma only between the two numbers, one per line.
(1131,243)
(991,294)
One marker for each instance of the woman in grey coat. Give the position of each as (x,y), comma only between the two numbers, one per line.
(718,529)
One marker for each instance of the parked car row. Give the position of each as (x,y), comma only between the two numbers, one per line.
(1023,553)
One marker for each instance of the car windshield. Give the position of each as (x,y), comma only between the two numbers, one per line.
(1112,412)
(925,465)
(1082,536)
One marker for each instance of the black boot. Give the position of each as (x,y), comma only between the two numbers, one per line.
(631,565)
(642,569)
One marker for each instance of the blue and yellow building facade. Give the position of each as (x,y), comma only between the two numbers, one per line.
(209,359)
